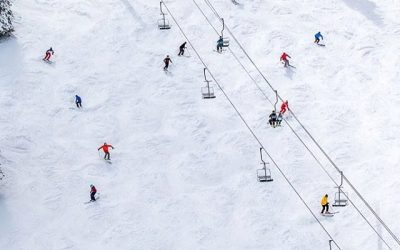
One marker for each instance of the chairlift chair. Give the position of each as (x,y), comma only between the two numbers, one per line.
(340,199)
(163,23)
(224,39)
(340,196)
(264,174)
(207,92)
(225,42)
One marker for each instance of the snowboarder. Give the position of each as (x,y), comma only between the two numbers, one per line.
(325,204)
(284,58)
(182,49)
(317,37)
(93,191)
(105,149)
(167,60)
(272,118)
(279,119)
(78,101)
(220,44)
(49,53)
(284,107)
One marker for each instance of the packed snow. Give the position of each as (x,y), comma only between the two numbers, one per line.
(183,171)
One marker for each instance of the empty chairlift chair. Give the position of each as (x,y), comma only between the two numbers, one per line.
(340,196)
(207,92)
(263,174)
(163,23)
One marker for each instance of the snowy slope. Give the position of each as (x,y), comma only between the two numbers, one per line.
(183,169)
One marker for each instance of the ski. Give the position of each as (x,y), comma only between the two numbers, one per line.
(47,61)
(329,214)
(87,202)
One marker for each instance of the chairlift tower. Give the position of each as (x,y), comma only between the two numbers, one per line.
(163,23)
(340,196)
(263,174)
(207,92)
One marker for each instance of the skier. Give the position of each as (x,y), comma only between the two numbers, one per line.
(105,149)
(220,44)
(167,60)
(279,119)
(284,58)
(284,107)
(49,53)
(272,118)
(93,191)
(182,49)
(325,204)
(78,101)
(317,37)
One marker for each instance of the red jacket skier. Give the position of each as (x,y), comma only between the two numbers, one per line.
(284,58)
(49,53)
(93,191)
(105,149)
(284,107)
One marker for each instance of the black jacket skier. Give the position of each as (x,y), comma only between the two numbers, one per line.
(167,60)
(272,118)
(182,49)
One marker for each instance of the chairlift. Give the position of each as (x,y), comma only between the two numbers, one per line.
(340,196)
(263,174)
(163,23)
(224,39)
(276,101)
(207,92)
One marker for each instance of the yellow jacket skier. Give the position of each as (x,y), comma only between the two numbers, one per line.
(325,204)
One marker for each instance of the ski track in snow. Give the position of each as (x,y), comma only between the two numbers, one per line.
(183,170)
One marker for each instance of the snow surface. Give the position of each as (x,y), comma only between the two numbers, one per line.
(183,169)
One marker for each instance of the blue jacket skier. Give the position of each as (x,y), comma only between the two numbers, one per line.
(279,119)
(317,37)
(78,101)
(220,44)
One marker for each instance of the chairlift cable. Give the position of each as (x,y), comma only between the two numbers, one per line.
(266,97)
(309,134)
(249,128)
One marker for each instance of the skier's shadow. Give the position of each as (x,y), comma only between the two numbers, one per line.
(289,73)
